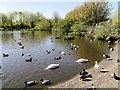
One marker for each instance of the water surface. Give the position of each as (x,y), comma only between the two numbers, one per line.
(16,70)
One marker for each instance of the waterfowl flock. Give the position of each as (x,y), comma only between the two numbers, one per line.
(84,75)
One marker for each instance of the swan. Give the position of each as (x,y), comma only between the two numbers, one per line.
(44,82)
(82,60)
(30,83)
(52,66)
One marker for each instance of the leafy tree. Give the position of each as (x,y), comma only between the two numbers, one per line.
(43,24)
(91,13)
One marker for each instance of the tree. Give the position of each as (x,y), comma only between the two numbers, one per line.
(91,13)
(43,24)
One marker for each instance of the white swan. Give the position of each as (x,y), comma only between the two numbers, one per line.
(52,66)
(82,60)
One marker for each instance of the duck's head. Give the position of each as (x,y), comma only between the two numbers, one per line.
(42,80)
(113,74)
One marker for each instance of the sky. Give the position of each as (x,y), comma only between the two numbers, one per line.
(46,8)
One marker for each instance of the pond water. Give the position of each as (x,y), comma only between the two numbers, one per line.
(16,70)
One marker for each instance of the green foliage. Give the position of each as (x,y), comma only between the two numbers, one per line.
(91,13)
(43,24)
(106,30)
(65,25)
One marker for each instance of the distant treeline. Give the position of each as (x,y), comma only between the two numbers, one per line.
(92,19)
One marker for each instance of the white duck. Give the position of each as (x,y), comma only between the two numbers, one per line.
(52,66)
(63,53)
(30,83)
(82,60)
(44,82)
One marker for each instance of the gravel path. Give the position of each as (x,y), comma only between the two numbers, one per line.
(99,80)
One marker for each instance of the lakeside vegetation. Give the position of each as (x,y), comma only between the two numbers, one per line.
(91,20)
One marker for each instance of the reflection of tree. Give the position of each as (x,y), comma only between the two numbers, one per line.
(7,38)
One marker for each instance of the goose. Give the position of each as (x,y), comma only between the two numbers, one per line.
(44,82)
(57,58)
(83,72)
(115,76)
(28,55)
(63,53)
(30,83)
(82,60)
(96,65)
(5,55)
(52,66)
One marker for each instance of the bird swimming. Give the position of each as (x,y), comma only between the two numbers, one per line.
(45,82)
(82,60)
(52,66)
(30,83)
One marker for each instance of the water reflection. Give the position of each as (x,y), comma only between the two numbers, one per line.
(16,70)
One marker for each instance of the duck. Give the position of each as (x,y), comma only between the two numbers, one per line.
(115,76)
(58,37)
(30,83)
(52,49)
(103,70)
(96,65)
(29,59)
(63,53)
(111,49)
(5,54)
(52,66)
(48,52)
(45,82)
(105,55)
(82,60)
(84,77)
(118,60)
(83,72)
(57,58)
(22,54)
(22,47)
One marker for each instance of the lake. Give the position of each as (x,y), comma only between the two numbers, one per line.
(16,70)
